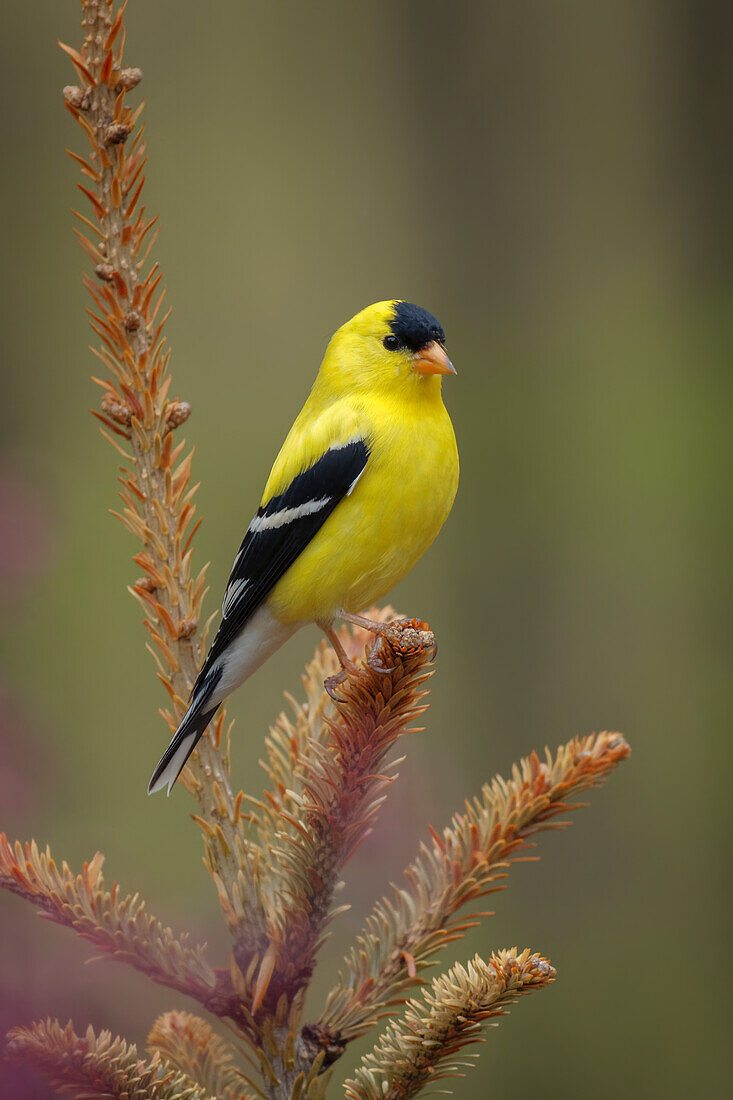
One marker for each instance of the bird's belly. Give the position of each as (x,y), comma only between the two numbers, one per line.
(373,538)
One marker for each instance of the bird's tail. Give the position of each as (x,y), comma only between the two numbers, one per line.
(184,741)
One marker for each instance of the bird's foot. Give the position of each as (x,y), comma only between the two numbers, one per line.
(397,639)
(374,662)
(332,682)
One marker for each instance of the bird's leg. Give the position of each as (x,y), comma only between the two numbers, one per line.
(344,660)
(365,624)
(347,665)
(380,629)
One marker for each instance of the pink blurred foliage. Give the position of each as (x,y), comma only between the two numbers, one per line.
(22,761)
(28,545)
(32,979)
(19,1082)
(27,550)
(42,978)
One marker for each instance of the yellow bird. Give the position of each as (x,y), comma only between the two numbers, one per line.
(363,484)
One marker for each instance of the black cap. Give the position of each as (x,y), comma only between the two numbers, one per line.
(414,327)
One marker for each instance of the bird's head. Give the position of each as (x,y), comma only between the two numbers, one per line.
(389,346)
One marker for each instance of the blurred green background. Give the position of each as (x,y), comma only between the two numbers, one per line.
(553,180)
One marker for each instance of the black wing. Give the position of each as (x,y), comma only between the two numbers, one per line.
(279,533)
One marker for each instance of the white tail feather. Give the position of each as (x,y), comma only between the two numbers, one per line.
(172,769)
(262,635)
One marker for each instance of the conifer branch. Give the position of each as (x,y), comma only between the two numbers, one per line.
(291,1068)
(466,862)
(276,868)
(421,1048)
(276,814)
(98,1067)
(118,926)
(158,507)
(276,817)
(342,779)
(189,1044)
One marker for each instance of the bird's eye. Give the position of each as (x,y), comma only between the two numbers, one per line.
(437,334)
(391,342)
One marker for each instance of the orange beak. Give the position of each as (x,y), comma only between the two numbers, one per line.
(432,359)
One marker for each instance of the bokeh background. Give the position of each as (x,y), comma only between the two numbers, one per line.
(553,180)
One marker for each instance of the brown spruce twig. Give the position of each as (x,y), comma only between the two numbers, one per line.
(342,779)
(118,926)
(158,506)
(276,815)
(188,1043)
(421,1048)
(98,1067)
(457,868)
(276,860)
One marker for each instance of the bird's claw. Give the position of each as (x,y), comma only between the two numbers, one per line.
(376,665)
(332,682)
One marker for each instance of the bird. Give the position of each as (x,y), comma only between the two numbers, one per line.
(362,485)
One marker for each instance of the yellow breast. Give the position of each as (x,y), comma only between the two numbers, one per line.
(376,534)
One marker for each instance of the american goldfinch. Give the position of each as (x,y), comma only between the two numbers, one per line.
(361,487)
